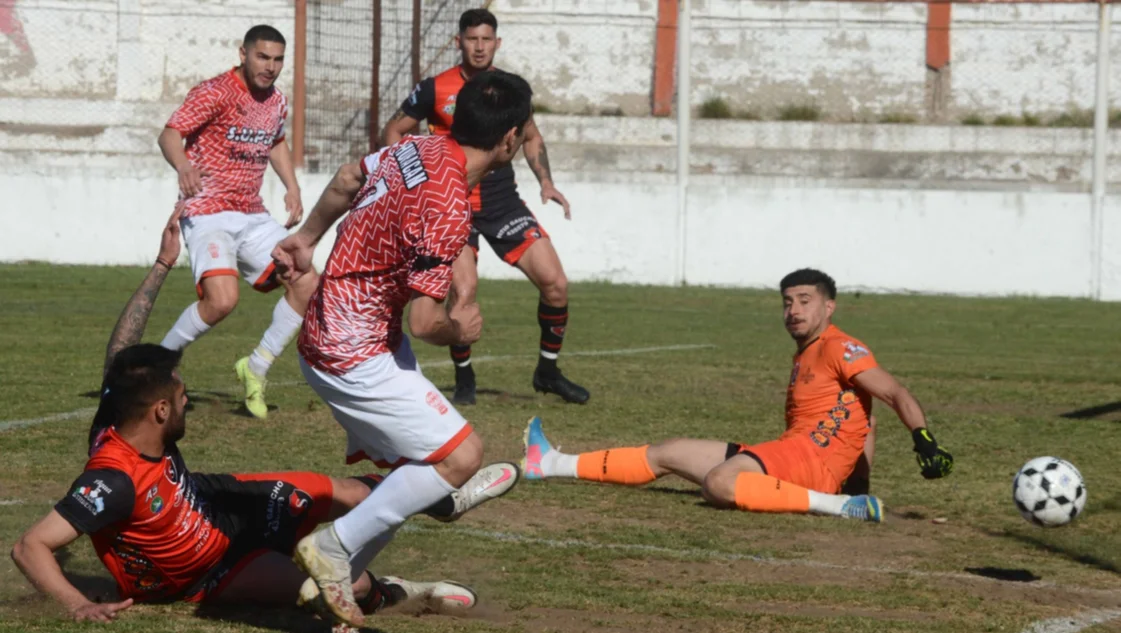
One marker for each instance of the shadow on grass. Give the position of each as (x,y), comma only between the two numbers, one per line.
(1008,575)
(1092,412)
(290,620)
(499,396)
(1069,553)
(97,588)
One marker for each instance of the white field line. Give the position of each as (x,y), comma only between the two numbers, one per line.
(1074,623)
(8,425)
(11,502)
(695,553)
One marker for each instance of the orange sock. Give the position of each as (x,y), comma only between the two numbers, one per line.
(627,466)
(756,492)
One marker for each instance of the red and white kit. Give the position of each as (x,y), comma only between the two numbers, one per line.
(408,223)
(229,134)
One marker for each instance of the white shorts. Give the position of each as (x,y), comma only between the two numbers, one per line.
(235,244)
(392,413)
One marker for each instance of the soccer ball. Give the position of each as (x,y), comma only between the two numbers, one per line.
(1049,491)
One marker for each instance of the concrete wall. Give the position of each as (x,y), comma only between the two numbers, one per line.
(855,60)
(904,207)
(1018,233)
(740,232)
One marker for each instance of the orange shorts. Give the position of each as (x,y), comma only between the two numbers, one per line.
(799,461)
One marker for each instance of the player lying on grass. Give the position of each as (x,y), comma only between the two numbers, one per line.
(828,408)
(165,533)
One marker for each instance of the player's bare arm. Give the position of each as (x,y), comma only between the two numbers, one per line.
(130,325)
(397,127)
(293,255)
(538,158)
(34,552)
(190,177)
(934,460)
(430,322)
(281,159)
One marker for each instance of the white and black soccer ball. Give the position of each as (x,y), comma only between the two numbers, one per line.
(1049,491)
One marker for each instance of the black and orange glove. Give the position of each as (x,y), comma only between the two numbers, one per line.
(935,461)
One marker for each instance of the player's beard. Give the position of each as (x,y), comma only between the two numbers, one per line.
(177,426)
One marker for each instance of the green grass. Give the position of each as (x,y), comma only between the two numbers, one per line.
(994,374)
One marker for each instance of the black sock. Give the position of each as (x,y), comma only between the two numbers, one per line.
(553,322)
(461,357)
(442,509)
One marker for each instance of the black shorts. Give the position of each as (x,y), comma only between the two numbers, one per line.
(259,513)
(509,227)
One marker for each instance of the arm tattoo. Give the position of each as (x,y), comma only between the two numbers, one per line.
(539,163)
(133,319)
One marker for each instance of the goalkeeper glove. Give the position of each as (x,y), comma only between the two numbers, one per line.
(935,461)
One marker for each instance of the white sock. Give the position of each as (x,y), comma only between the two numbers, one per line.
(821,503)
(558,464)
(361,559)
(285,324)
(189,327)
(406,491)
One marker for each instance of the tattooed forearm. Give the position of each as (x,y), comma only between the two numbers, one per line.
(539,163)
(133,319)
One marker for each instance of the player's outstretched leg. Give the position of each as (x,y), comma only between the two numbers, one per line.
(741,483)
(629,465)
(287,318)
(541,264)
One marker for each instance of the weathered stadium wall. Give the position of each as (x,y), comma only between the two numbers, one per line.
(973,210)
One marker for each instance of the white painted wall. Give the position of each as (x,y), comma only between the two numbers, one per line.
(741,232)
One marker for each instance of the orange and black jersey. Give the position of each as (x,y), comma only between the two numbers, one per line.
(433,100)
(165,533)
(148,519)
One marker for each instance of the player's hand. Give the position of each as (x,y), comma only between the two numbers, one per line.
(469,322)
(99,612)
(295,207)
(190,180)
(935,461)
(293,257)
(549,192)
(169,238)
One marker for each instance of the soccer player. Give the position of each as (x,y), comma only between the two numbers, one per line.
(408,221)
(233,126)
(828,407)
(499,215)
(165,533)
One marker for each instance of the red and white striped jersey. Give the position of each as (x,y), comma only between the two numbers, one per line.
(229,134)
(406,226)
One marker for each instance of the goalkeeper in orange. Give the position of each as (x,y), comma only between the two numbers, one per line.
(829,429)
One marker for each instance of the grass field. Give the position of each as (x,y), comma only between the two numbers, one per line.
(996,377)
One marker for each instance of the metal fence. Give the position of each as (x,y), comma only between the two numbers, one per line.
(353,85)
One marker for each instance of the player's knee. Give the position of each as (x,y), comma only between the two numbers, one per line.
(216,306)
(719,488)
(661,457)
(554,288)
(463,462)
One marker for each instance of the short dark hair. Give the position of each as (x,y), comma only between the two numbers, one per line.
(477,17)
(488,106)
(810,277)
(263,33)
(138,376)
